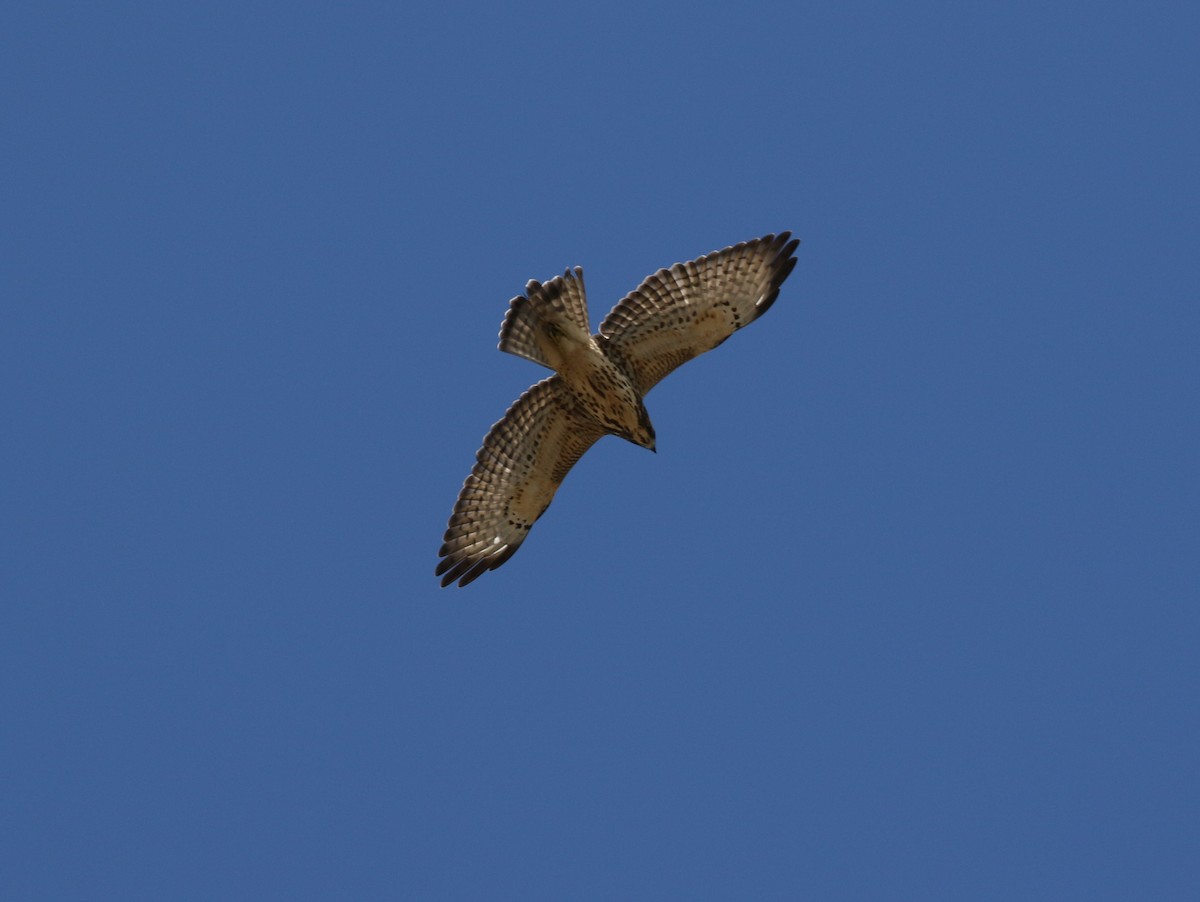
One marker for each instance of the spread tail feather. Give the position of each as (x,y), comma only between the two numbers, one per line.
(531,317)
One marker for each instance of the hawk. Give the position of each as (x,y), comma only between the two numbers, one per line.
(599,383)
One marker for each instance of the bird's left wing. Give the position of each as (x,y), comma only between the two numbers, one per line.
(517,471)
(679,313)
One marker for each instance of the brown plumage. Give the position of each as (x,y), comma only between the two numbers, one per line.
(674,315)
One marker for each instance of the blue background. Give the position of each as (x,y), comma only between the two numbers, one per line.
(904,607)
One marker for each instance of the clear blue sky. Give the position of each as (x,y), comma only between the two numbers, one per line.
(905,607)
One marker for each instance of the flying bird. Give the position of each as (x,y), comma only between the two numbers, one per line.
(599,383)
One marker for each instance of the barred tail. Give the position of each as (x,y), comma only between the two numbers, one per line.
(531,317)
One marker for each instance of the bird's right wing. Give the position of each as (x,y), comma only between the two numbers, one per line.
(517,471)
(679,313)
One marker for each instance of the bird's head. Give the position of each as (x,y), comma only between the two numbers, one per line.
(643,433)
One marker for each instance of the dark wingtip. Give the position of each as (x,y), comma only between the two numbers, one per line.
(447,564)
(468,569)
(475,571)
(784,263)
